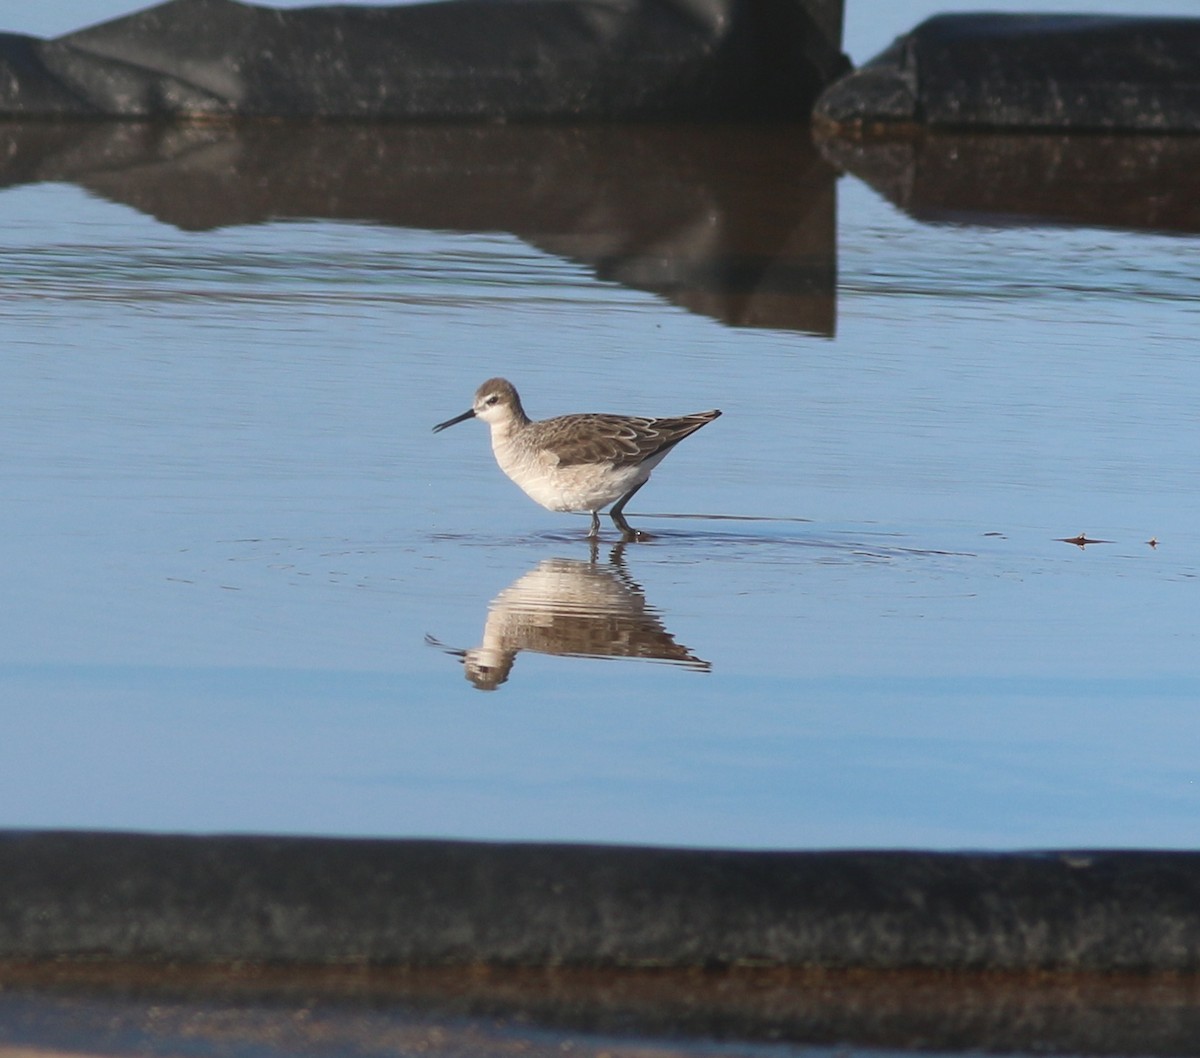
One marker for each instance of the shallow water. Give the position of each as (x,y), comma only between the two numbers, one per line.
(241,573)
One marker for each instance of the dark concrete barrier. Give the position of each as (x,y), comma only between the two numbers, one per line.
(464,59)
(1001,71)
(301,901)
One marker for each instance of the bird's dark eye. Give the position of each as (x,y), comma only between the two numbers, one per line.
(492,399)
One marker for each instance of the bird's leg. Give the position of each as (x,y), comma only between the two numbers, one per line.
(627,531)
(594,531)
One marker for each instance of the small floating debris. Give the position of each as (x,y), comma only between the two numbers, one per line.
(1153,541)
(1081,541)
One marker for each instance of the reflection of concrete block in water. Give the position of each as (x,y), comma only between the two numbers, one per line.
(735,221)
(1029,71)
(1138,183)
(453,59)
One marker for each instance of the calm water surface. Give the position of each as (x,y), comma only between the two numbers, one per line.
(244,582)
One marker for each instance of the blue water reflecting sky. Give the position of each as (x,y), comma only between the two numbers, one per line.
(227,530)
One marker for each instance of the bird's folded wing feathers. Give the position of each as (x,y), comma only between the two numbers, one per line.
(618,440)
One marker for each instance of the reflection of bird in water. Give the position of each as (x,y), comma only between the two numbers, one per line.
(572,608)
(577,462)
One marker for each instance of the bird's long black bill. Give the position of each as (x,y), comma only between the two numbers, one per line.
(450,422)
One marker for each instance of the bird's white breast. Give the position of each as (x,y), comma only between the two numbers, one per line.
(579,487)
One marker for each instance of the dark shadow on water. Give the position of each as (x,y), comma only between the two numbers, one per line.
(1135,183)
(732,222)
(570,607)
